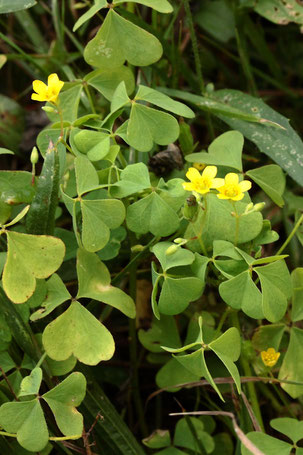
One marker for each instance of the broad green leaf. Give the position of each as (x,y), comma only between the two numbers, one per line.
(29,257)
(5,212)
(94,282)
(266,235)
(196,364)
(27,420)
(192,438)
(69,100)
(86,175)
(16,187)
(297,294)
(268,336)
(226,249)
(220,224)
(30,385)
(180,257)
(94,144)
(292,368)
(241,292)
(272,181)
(172,374)
(118,40)
(147,126)
(112,248)
(177,293)
(267,444)
(7,362)
(172,192)
(276,289)
(4,151)
(152,214)
(63,400)
(157,98)
(158,439)
(99,4)
(18,217)
(98,217)
(228,347)
(280,12)
(6,6)
(56,294)
(290,427)
(133,179)
(119,100)
(225,150)
(78,332)
(107,80)
(163,332)
(163,6)
(217,19)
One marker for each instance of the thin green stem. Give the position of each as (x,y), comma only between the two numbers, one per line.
(91,103)
(247,371)
(237,216)
(42,358)
(282,398)
(296,227)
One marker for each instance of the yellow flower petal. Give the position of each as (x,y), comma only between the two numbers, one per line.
(53,79)
(245,185)
(222,196)
(238,197)
(193,174)
(39,87)
(217,183)
(37,97)
(231,179)
(188,186)
(210,172)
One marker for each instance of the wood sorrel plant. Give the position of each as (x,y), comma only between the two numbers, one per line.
(96,200)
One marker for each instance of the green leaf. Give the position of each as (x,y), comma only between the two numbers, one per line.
(163,6)
(16,187)
(99,4)
(112,248)
(118,40)
(27,420)
(8,7)
(152,214)
(225,150)
(228,347)
(63,400)
(276,289)
(94,144)
(147,125)
(290,427)
(163,332)
(78,332)
(292,368)
(173,373)
(180,257)
(69,100)
(98,217)
(29,257)
(241,292)
(94,282)
(107,80)
(158,439)
(86,175)
(4,151)
(297,294)
(217,19)
(157,98)
(133,179)
(267,444)
(280,13)
(268,336)
(272,181)
(177,293)
(190,434)
(56,294)
(30,385)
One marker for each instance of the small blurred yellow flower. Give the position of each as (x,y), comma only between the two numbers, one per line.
(48,92)
(200,183)
(231,188)
(199,166)
(270,357)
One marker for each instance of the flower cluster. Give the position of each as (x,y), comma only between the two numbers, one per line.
(270,357)
(229,187)
(48,92)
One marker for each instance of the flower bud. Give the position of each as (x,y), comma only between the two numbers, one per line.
(34,155)
(249,207)
(190,208)
(48,109)
(179,240)
(171,250)
(260,206)
(137,248)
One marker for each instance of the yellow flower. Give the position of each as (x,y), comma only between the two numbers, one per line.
(199,166)
(200,183)
(230,188)
(270,357)
(48,92)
